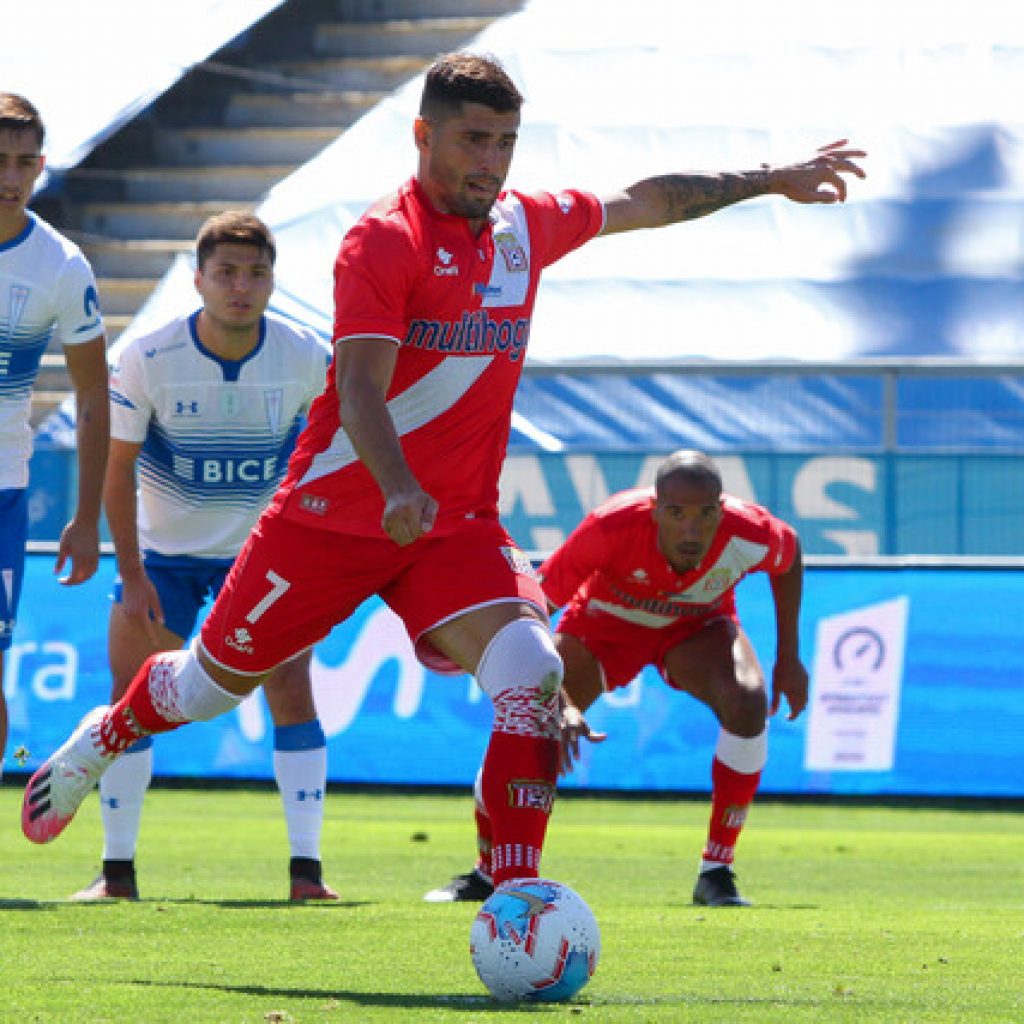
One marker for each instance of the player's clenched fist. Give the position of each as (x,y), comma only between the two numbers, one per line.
(408,515)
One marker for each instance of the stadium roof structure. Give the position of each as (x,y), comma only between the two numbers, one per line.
(91,67)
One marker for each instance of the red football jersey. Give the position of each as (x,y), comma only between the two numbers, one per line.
(459,306)
(611,562)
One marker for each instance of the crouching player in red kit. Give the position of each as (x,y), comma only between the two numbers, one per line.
(648,578)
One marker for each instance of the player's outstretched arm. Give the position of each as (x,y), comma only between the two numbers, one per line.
(671,198)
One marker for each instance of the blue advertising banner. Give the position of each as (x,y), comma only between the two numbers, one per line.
(842,503)
(916,691)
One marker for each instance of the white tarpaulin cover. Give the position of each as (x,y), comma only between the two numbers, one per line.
(90,67)
(924,259)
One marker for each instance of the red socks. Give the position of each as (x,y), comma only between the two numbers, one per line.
(135,715)
(518,786)
(732,793)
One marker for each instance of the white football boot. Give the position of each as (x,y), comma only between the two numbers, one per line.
(57,789)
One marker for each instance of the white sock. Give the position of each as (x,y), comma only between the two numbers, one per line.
(122,791)
(300,767)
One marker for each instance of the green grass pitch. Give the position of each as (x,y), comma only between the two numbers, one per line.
(862,914)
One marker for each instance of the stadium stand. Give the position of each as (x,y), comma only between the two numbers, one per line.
(887,331)
(214,120)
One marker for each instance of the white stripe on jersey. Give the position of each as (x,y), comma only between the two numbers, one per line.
(433,394)
(737,557)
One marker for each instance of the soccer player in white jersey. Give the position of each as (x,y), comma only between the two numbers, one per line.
(648,578)
(204,414)
(47,291)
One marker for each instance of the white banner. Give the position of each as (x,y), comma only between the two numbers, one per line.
(858,669)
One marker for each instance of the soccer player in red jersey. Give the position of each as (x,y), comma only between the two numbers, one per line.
(393,486)
(648,578)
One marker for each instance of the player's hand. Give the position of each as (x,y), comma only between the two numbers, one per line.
(408,515)
(819,180)
(789,679)
(139,599)
(573,728)
(79,544)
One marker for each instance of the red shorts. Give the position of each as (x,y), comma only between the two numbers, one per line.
(623,648)
(290,586)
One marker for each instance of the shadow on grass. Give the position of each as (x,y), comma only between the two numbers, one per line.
(477,1002)
(20,904)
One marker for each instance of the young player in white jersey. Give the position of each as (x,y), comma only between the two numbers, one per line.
(204,415)
(47,292)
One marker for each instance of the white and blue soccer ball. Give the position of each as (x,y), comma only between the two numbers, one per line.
(534,940)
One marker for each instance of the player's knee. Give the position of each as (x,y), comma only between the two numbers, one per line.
(743,710)
(521,671)
(180,684)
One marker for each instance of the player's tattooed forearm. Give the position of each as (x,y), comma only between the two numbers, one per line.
(688,196)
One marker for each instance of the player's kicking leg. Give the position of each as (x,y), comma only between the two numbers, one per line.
(170,689)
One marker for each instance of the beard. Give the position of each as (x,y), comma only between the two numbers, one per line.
(476,204)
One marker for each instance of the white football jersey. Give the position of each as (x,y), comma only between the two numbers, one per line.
(215,434)
(47,290)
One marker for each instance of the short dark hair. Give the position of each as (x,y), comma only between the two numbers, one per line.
(458,78)
(234,228)
(17,114)
(693,466)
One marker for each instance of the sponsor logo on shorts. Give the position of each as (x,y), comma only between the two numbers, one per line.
(240,639)
(532,794)
(518,562)
(312,503)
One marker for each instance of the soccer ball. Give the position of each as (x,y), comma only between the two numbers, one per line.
(534,940)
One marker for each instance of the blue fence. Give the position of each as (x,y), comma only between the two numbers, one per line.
(916,691)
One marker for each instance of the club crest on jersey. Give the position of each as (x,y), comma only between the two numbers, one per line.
(444,267)
(566,203)
(230,403)
(717,580)
(512,252)
(273,402)
(17,300)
